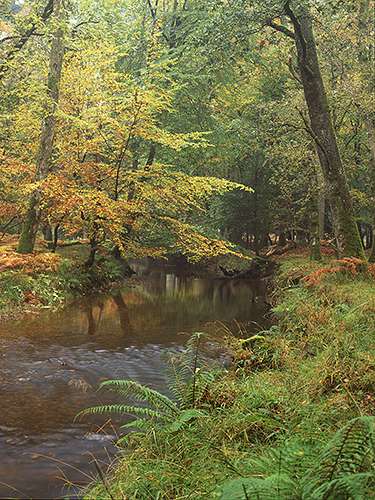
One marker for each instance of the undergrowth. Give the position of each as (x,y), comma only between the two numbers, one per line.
(262,426)
(50,281)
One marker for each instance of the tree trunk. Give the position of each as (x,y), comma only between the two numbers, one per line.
(370,124)
(151,155)
(365,59)
(30,227)
(372,254)
(323,133)
(321,201)
(93,248)
(47,233)
(282,240)
(55,237)
(123,311)
(315,250)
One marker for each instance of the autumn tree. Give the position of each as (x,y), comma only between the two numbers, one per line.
(43,159)
(157,99)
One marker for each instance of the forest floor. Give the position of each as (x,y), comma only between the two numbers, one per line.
(43,279)
(287,392)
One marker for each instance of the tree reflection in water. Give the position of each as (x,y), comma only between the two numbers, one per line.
(89,306)
(123,312)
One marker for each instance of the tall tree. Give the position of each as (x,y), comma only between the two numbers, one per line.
(30,226)
(321,128)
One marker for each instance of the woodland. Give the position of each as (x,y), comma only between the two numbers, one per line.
(187,126)
(227,135)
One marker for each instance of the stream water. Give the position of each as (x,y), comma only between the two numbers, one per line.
(52,363)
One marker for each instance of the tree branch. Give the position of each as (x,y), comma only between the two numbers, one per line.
(23,38)
(282,29)
(152,10)
(82,23)
(292,70)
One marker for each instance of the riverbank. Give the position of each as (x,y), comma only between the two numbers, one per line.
(288,391)
(29,283)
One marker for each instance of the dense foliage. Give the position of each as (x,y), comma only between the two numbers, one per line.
(123,122)
(212,129)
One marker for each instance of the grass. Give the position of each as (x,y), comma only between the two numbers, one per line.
(292,386)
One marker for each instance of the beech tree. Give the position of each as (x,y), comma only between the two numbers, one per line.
(47,136)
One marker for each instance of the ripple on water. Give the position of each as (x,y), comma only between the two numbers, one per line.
(51,365)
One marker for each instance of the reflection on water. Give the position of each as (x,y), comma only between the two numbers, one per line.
(51,364)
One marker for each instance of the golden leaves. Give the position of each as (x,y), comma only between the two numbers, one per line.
(29,263)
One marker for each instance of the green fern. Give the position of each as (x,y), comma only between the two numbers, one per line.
(353,486)
(343,470)
(292,459)
(190,377)
(275,487)
(189,384)
(348,454)
(133,390)
(122,409)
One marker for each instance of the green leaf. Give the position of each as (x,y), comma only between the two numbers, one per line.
(277,486)
(184,417)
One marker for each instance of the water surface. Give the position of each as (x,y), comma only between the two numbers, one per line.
(51,364)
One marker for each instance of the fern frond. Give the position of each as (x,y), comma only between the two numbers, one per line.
(353,486)
(120,408)
(184,418)
(139,423)
(292,459)
(275,487)
(129,388)
(344,455)
(196,387)
(178,389)
(190,379)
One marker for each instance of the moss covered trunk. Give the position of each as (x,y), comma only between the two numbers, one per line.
(321,128)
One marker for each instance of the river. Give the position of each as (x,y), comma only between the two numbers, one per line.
(52,363)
